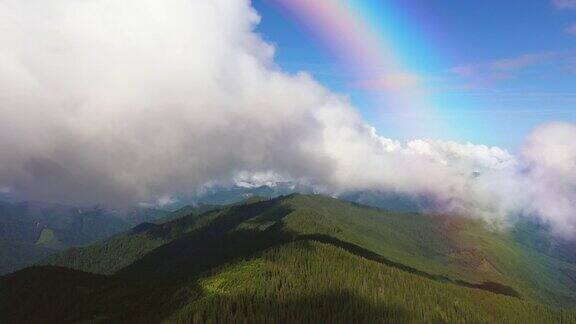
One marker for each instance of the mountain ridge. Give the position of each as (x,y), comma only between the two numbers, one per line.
(414,240)
(256,257)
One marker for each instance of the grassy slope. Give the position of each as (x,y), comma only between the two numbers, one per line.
(405,238)
(461,249)
(498,256)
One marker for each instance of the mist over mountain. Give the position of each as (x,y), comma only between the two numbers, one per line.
(290,161)
(145,107)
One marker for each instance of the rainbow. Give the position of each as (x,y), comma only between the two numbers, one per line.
(376,46)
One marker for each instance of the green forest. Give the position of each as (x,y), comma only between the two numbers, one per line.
(298,258)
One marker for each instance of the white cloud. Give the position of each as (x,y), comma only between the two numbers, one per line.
(550,155)
(258,179)
(166,200)
(116,101)
(127,101)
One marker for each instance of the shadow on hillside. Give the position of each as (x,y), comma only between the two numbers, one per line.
(165,281)
(58,295)
(195,254)
(333,306)
(48,294)
(493,287)
(214,244)
(221,242)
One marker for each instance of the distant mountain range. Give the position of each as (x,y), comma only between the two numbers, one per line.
(30,231)
(301,258)
(223,195)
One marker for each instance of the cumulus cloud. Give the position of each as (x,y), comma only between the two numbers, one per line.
(119,101)
(550,154)
(129,101)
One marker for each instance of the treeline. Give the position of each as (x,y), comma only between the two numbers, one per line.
(297,282)
(264,262)
(316,282)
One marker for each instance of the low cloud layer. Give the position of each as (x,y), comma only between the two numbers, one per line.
(130,101)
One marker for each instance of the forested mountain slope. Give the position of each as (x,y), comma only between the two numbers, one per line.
(30,231)
(301,257)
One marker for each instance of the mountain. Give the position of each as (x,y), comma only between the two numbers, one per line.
(297,258)
(387,200)
(16,255)
(217,195)
(224,195)
(29,231)
(187,210)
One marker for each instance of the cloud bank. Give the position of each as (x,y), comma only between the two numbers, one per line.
(129,101)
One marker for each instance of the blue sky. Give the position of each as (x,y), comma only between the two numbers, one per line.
(493,69)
